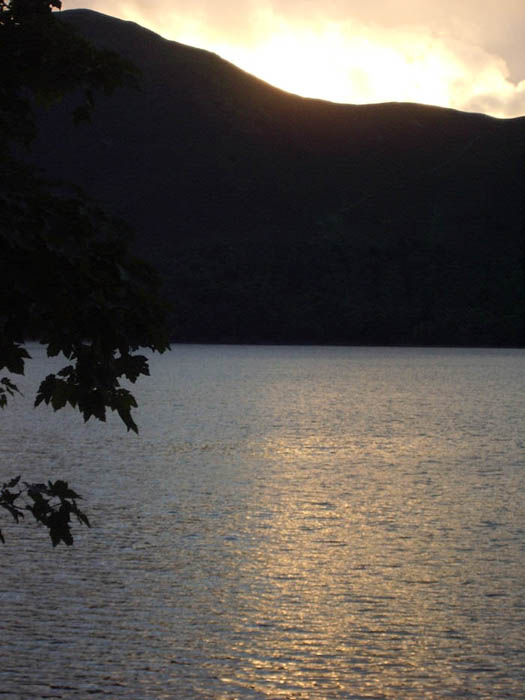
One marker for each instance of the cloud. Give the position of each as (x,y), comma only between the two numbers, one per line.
(467,55)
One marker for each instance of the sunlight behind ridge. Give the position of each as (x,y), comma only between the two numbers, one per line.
(344,59)
(351,63)
(330,66)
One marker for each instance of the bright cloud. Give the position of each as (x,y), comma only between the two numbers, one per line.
(356,52)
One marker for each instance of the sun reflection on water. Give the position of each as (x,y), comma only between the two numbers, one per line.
(357,571)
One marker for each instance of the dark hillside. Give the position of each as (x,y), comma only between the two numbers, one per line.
(279,218)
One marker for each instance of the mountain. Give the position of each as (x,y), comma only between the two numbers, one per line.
(276,218)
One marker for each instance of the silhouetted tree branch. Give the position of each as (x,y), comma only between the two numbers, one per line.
(67,276)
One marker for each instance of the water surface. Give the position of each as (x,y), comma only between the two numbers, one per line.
(300,523)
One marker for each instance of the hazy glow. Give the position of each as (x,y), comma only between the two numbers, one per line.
(346,68)
(346,59)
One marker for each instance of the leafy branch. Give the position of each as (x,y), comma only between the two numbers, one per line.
(68,277)
(51,505)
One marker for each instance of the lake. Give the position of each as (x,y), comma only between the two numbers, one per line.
(291,523)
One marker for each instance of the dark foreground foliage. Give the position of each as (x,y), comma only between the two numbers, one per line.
(67,277)
(51,505)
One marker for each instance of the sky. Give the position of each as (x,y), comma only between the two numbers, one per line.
(464,54)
